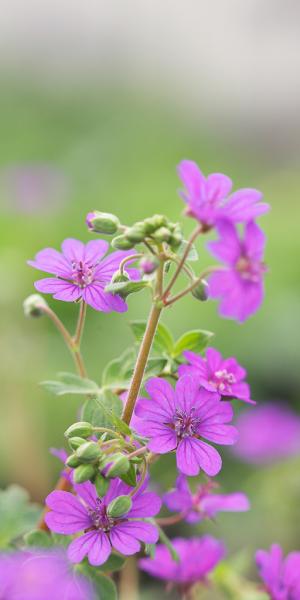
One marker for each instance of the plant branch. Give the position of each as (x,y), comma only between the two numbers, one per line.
(190,242)
(190,288)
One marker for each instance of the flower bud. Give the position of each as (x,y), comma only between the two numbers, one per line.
(121,243)
(88,452)
(72,461)
(153,223)
(162,235)
(84,473)
(101,484)
(201,291)
(118,465)
(34,306)
(81,429)
(176,237)
(119,506)
(136,233)
(75,442)
(119,277)
(101,222)
(148,264)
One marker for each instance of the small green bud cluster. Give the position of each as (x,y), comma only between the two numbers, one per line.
(156,229)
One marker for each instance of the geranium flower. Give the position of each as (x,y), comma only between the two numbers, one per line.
(203,503)
(179,419)
(208,198)
(197,558)
(41,575)
(81,272)
(87,513)
(239,284)
(216,374)
(281,576)
(257,443)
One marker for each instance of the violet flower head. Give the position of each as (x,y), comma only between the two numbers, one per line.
(280,576)
(88,513)
(239,283)
(41,575)
(82,272)
(203,504)
(267,434)
(179,419)
(209,198)
(216,374)
(197,558)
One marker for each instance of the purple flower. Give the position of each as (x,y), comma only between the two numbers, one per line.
(87,512)
(281,576)
(267,434)
(239,284)
(41,575)
(203,503)
(216,374)
(81,272)
(208,198)
(178,419)
(197,558)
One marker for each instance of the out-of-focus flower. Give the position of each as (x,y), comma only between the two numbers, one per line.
(41,575)
(197,558)
(177,419)
(81,272)
(239,284)
(280,576)
(203,503)
(216,374)
(34,188)
(103,531)
(268,433)
(208,198)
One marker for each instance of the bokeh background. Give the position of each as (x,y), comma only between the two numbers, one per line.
(99,102)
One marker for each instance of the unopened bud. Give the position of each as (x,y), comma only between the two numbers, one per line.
(84,473)
(101,222)
(119,277)
(149,264)
(72,461)
(201,291)
(119,464)
(176,237)
(119,506)
(101,485)
(81,429)
(88,452)
(136,233)
(121,243)
(75,442)
(34,306)
(153,223)
(162,235)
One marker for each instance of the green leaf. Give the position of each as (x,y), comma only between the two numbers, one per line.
(70,384)
(114,563)
(192,255)
(118,373)
(195,340)
(105,410)
(130,476)
(104,585)
(38,539)
(17,514)
(155,366)
(163,341)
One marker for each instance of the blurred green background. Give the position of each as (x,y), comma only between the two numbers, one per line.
(115,147)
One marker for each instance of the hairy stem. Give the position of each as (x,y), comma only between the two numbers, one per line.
(190,242)
(145,348)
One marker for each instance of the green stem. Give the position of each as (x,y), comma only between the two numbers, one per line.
(145,348)
(189,289)
(127,259)
(190,242)
(80,324)
(165,521)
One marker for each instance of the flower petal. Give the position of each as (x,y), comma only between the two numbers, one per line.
(73,250)
(218,186)
(81,546)
(162,393)
(186,391)
(123,542)
(94,251)
(61,290)
(67,515)
(145,505)
(193,454)
(228,247)
(145,532)
(51,261)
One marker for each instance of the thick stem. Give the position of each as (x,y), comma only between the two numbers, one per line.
(145,348)
(194,235)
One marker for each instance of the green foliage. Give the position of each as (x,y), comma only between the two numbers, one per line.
(118,372)
(17,514)
(192,255)
(163,341)
(124,288)
(103,584)
(165,540)
(69,383)
(195,340)
(38,539)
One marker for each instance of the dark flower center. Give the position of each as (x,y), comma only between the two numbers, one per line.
(249,269)
(99,516)
(185,423)
(222,380)
(83,274)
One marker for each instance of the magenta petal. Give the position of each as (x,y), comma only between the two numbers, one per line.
(87,492)
(95,296)
(218,186)
(192,178)
(73,250)
(67,516)
(165,442)
(145,505)
(186,390)
(151,409)
(219,434)
(94,250)
(123,542)
(81,546)
(255,241)
(228,247)
(145,532)
(214,503)
(193,454)
(51,261)
(62,290)
(186,458)
(99,550)
(163,394)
